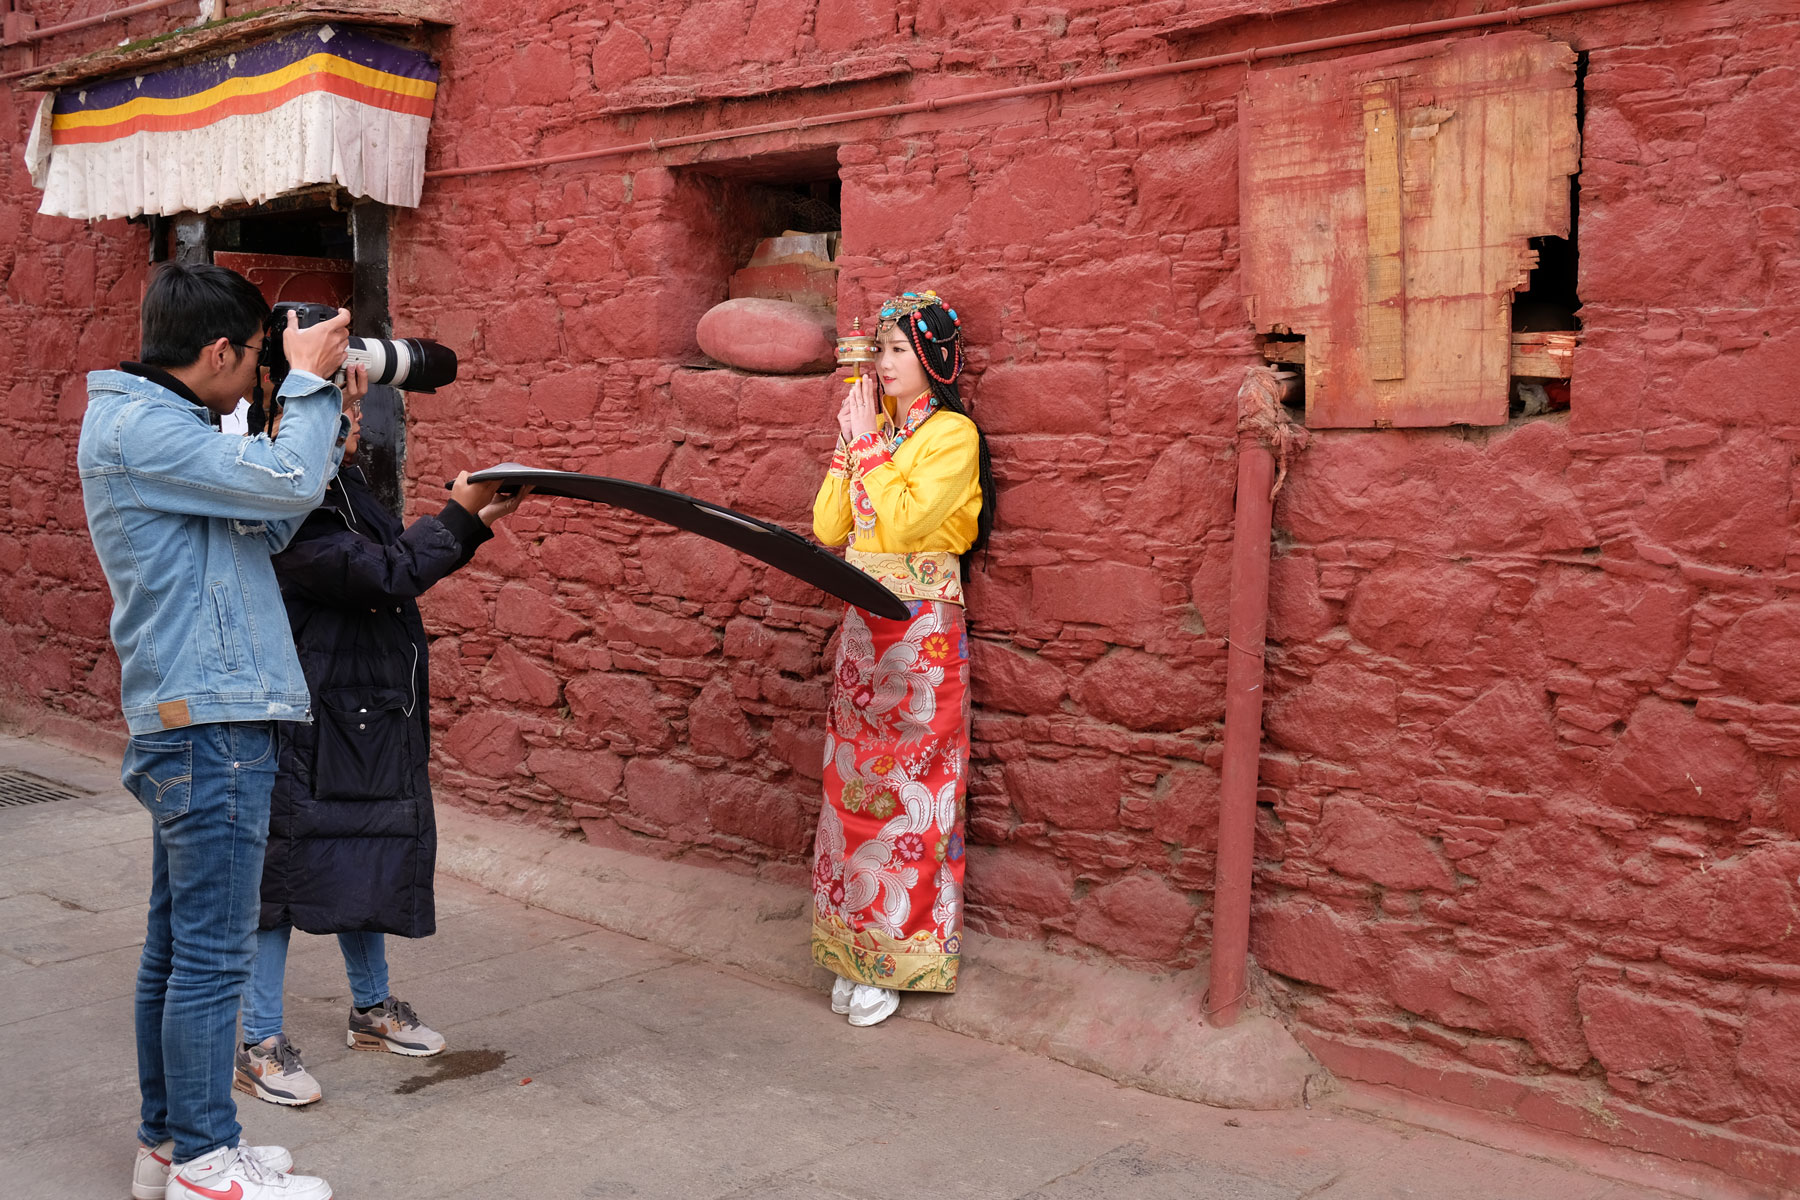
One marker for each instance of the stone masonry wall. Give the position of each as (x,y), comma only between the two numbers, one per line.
(1531,791)
(69,296)
(1531,802)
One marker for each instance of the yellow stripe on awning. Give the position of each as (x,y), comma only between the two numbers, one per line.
(329,64)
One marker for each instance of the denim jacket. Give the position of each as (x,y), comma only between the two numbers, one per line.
(184,519)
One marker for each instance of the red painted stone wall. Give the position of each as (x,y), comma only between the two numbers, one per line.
(1532,787)
(69,295)
(1532,718)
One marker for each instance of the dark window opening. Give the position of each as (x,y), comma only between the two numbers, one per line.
(814,206)
(797,192)
(1551,302)
(308,233)
(1544,328)
(1544,324)
(1286,352)
(1545,315)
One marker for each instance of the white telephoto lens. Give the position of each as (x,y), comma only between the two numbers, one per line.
(370,353)
(402,362)
(357,356)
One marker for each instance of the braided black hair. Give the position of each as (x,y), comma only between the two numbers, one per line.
(936,337)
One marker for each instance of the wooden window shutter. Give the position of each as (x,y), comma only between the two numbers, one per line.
(1387,202)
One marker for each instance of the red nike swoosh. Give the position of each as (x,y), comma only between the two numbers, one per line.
(159,1158)
(234,1192)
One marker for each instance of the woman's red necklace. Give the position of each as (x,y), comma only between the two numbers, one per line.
(915,417)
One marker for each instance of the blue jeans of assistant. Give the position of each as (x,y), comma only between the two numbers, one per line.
(207,788)
(365,962)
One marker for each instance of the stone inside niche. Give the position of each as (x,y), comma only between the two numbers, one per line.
(795,266)
(781,318)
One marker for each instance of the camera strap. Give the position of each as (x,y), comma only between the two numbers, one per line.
(257,419)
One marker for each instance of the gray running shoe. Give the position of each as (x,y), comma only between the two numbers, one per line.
(271,1070)
(394,1028)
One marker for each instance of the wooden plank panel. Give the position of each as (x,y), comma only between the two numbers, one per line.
(1485,141)
(1542,355)
(1385,300)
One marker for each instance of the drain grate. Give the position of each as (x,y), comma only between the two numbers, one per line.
(22,787)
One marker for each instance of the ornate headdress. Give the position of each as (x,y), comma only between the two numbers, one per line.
(933,336)
(909,303)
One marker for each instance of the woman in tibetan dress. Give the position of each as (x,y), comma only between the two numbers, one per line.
(909,492)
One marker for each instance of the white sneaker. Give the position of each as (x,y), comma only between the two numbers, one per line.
(872,1005)
(840,995)
(150,1177)
(229,1173)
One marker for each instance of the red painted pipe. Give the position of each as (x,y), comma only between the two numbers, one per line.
(1247,627)
(1509,16)
(49,31)
(117,14)
(1264,430)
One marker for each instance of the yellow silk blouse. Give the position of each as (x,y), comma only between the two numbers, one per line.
(926,496)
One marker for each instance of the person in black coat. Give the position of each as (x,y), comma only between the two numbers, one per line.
(352,840)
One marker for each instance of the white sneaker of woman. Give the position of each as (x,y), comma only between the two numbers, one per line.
(872,1005)
(840,995)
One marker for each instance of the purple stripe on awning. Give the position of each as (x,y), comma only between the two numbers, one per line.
(259,59)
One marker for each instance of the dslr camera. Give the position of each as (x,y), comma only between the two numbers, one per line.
(412,364)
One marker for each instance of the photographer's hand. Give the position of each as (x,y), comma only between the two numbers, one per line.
(474,497)
(502,506)
(319,348)
(356,386)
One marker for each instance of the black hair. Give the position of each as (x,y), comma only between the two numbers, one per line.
(941,355)
(188,307)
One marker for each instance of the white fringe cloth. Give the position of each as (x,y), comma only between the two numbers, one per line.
(320,105)
(311,139)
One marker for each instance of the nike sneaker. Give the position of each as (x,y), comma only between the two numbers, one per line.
(393,1027)
(150,1177)
(271,1070)
(233,1173)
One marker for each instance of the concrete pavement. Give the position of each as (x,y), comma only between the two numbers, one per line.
(587,1064)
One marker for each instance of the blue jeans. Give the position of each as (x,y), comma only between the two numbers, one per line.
(365,962)
(207,786)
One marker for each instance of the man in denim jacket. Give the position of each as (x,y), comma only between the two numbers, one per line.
(184,520)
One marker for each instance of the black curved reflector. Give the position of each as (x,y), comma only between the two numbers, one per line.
(780,548)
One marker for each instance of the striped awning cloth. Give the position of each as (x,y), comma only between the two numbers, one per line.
(323,104)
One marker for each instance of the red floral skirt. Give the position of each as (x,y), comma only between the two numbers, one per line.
(888,863)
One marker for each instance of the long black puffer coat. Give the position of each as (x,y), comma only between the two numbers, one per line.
(352,839)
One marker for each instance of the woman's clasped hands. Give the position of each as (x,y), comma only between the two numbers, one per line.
(857,415)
